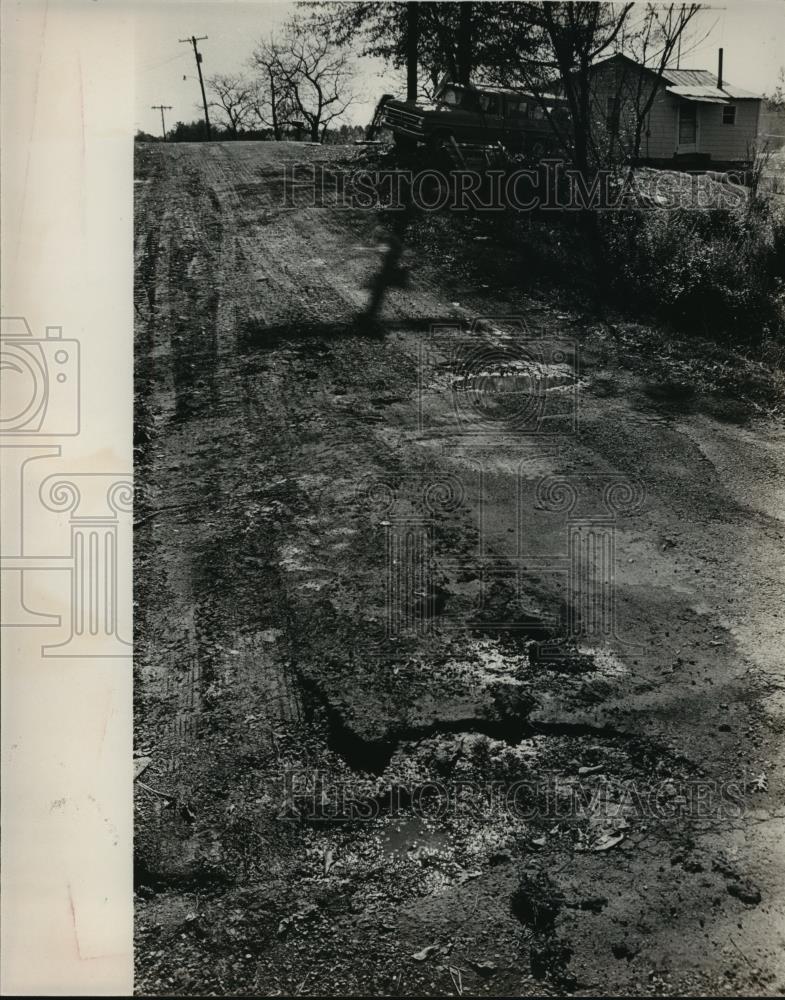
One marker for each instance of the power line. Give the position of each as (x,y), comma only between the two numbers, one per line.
(149,67)
(198,56)
(162,108)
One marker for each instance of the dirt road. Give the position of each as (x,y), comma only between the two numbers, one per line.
(459,648)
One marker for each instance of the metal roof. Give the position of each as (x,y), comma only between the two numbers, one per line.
(705,95)
(703,83)
(690,77)
(694,84)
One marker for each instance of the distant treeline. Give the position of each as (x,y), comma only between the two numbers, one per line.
(195,132)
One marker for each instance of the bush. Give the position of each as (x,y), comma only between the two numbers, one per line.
(718,272)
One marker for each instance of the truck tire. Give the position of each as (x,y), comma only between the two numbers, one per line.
(438,142)
(404,143)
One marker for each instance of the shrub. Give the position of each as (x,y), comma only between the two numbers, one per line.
(713,272)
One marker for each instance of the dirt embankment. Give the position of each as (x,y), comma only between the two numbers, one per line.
(378,762)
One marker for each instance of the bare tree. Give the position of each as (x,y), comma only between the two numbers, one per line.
(651,41)
(566,41)
(273,105)
(318,77)
(234,98)
(776,99)
(428,82)
(305,78)
(578,34)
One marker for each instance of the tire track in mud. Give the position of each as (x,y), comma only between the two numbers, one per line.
(265,388)
(190,339)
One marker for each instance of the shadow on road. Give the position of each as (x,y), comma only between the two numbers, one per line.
(254,335)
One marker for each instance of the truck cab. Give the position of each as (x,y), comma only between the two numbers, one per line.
(478,115)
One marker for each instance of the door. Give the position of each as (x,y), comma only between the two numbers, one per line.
(688,127)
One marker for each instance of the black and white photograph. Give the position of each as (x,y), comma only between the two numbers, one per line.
(458,499)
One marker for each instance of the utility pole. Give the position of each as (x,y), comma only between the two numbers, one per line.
(162,108)
(198,56)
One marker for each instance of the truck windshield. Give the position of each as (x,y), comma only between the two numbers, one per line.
(455,97)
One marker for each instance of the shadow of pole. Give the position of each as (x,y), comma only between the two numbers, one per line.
(391,274)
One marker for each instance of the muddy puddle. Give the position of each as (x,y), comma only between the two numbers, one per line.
(413,837)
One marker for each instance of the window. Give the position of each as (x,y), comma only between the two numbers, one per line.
(729,114)
(612,111)
(489,104)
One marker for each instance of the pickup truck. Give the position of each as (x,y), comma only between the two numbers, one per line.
(479,116)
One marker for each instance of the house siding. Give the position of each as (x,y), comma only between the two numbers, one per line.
(728,142)
(659,136)
(659,129)
(659,141)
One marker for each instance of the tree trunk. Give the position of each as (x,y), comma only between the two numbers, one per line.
(273,109)
(465,43)
(412,47)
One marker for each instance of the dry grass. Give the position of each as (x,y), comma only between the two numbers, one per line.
(772,180)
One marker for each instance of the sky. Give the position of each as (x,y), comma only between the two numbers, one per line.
(233,29)
(752,33)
